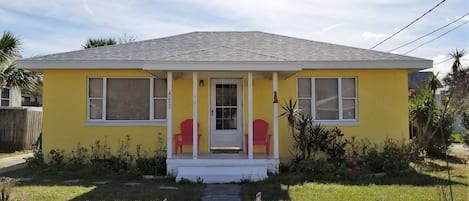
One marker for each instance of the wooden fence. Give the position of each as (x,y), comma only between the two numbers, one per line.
(19,128)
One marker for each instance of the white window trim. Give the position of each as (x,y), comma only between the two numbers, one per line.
(340,121)
(104,122)
(10,94)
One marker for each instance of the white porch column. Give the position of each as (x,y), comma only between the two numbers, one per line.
(169,115)
(250,127)
(195,131)
(275,112)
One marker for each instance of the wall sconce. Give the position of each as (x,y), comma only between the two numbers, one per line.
(201,83)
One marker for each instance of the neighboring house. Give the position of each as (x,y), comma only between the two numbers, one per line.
(224,81)
(418,79)
(10,97)
(32,100)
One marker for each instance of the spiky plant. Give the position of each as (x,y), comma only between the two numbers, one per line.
(290,112)
(457,56)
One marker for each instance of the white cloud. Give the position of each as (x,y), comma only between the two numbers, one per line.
(464,19)
(87,7)
(370,35)
(442,65)
(331,27)
(359,23)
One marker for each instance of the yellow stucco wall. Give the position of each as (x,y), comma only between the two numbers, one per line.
(64,117)
(382,108)
(382,104)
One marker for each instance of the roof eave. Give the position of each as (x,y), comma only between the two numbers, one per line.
(161,65)
(369,64)
(227,65)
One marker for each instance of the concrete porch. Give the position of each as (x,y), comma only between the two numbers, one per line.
(221,167)
(212,167)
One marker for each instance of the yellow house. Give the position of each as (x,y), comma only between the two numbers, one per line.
(224,81)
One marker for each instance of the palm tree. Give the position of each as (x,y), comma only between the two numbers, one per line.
(11,76)
(97,42)
(9,49)
(457,55)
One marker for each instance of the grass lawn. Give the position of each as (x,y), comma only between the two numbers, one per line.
(425,184)
(4,155)
(46,186)
(456,138)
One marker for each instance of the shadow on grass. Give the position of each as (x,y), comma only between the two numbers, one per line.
(432,166)
(145,190)
(116,189)
(277,186)
(451,159)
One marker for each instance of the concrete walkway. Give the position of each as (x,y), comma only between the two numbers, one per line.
(458,147)
(13,163)
(224,192)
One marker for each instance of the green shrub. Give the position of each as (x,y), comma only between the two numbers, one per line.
(37,161)
(79,158)
(396,156)
(431,124)
(100,151)
(335,147)
(393,159)
(465,133)
(440,142)
(373,159)
(100,161)
(356,152)
(56,158)
(465,119)
(465,137)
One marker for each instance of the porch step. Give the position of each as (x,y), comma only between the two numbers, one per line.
(222,174)
(225,151)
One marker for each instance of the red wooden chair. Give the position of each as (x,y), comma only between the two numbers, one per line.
(185,137)
(260,135)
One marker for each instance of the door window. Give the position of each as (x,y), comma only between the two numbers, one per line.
(226,107)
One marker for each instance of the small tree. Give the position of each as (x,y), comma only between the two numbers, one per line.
(98,42)
(428,117)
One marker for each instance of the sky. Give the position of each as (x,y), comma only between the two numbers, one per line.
(46,26)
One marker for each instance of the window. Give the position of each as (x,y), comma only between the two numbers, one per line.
(127,99)
(328,99)
(5,97)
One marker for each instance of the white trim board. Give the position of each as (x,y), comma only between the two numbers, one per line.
(222,65)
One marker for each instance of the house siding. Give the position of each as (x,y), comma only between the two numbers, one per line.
(382,109)
(64,117)
(382,104)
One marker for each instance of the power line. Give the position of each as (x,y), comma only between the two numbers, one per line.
(429,33)
(436,37)
(402,29)
(447,59)
(442,61)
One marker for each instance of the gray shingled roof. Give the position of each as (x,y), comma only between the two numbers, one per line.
(225,46)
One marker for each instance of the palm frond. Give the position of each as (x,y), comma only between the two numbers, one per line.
(457,56)
(98,42)
(9,49)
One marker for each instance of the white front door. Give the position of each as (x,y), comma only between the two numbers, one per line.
(226,114)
